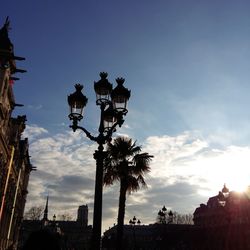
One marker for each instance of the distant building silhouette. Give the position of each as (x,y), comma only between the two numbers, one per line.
(224,222)
(71,234)
(82,215)
(15,165)
(152,236)
(224,209)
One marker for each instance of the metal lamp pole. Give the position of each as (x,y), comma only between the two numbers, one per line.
(113,106)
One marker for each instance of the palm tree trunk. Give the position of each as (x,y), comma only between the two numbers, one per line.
(121,214)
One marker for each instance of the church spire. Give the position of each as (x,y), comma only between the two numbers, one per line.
(45,213)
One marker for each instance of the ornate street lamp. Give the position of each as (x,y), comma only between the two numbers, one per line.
(113,106)
(120,96)
(132,222)
(77,101)
(103,89)
(170,217)
(164,217)
(109,118)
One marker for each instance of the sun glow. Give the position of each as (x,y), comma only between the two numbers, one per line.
(231,167)
(194,161)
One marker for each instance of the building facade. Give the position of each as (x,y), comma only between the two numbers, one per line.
(15,165)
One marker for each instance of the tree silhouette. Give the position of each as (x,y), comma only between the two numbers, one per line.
(126,164)
(34,213)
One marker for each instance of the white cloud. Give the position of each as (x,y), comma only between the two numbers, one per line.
(33,131)
(168,150)
(185,171)
(62,161)
(190,157)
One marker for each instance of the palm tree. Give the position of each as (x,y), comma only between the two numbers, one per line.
(126,164)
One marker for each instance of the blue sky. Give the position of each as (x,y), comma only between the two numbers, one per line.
(187,65)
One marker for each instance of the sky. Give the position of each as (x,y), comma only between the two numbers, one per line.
(187,66)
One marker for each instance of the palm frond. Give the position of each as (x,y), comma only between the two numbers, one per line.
(110,177)
(141,180)
(141,163)
(124,161)
(133,184)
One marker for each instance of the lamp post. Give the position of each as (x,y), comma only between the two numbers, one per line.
(113,106)
(170,217)
(132,222)
(164,217)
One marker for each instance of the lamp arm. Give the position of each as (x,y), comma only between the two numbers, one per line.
(91,137)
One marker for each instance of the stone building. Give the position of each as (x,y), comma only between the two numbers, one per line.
(15,165)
